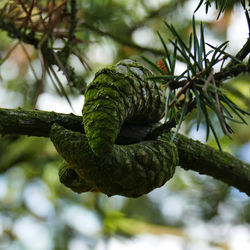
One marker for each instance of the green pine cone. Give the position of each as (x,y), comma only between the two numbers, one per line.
(129,170)
(72,180)
(117,94)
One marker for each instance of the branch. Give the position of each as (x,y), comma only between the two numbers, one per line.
(203,159)
(161,12)
(232,71)
(121,40)
(14,32)
(193,155)
(38,123)
(234,68)
(241,55)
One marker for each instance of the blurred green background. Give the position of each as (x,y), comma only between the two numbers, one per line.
(190,212)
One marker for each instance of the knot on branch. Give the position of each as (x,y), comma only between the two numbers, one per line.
(118,94)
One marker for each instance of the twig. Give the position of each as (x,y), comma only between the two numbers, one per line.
(185,87)
(241,55)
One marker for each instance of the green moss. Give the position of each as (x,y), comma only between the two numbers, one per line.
(70,179)
(117,94)
(120,172)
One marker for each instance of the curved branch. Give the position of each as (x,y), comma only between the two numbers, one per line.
(233,68)
(241,55)
(128,170)
(38,123)
(193,155)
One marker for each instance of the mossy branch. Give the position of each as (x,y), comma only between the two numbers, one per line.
(35,122)
(196,156)
(193,155)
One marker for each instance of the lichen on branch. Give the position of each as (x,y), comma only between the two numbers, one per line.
(117,94)
(38,123)
(121,108)
(129,170)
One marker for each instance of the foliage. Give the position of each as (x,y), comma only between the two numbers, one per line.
(201,88)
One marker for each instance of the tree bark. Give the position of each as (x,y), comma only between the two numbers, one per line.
(196,156)
(193,155)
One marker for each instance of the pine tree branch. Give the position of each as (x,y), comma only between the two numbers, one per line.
(38,123)
(196,156)
(161,12)
(120,40)
(242,54)
(35,122)
(193,155)
(232,71)
(234,68)
(16,33)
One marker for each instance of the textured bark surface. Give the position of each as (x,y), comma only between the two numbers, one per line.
(35,122)
(129,170)
(117,94)
(196,156)
(209,162)
(38,123)
(122,107)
